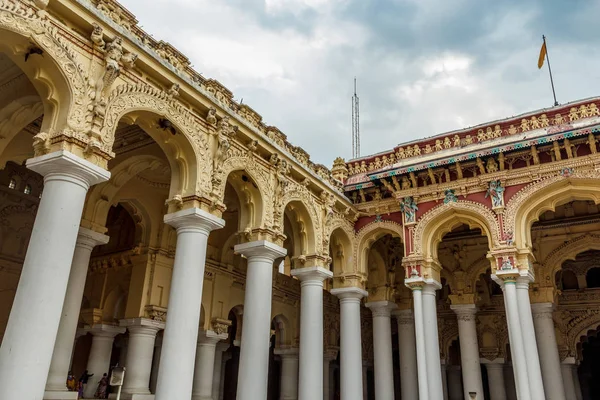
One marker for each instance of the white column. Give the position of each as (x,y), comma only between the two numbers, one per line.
(176,371)
(67,329)
(509,382)
(311,331)
(417,291)
(548,351)
(444,379)
(455,389)
(432,347)
(27,347)
(469,349)
(218,370)
(567,376)
(204,367)
(534,372)
(382,349)
(409,381)
(351,380)
(155,363)
(254,349)
(328,356)
(495,371)
(577,383)
(289,373)
(515,338)
(98,363)
(226,358)
(140,350)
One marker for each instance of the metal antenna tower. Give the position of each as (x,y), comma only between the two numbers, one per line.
(355,125)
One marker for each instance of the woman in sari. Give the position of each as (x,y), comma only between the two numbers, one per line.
(102,391)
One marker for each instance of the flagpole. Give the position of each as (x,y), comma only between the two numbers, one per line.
(550,70)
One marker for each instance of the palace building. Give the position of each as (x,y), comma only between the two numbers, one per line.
(148,220)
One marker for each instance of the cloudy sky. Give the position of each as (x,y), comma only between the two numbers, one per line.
(423,66)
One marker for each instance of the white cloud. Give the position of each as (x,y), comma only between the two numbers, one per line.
(294,61)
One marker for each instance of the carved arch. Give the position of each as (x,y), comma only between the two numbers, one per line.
(525,207)
(189,151)
(339,245)
(588,322)
(312,221)
(14,117)
(368,235)
(440,220)
(567,251)
(101,197)
(261,201)
(58,77)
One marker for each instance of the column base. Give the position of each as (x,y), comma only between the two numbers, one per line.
(132,396)
(66,395)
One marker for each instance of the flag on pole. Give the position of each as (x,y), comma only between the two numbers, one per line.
(542,55)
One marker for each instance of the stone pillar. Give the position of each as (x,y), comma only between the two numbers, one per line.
(444,379)
(417,291)
(432,347)
(515,336)
(226,357)
(98,363)
(176,371)
(409,381)
(382,349)
(455,389)
(329,356)
(140,351)
(289,373)
(469,349)
(202,387)
(67,329)
(509,382)
(27,347)
(534,372)
(351,380)
(311,331)
(155,363)
(567,368)
(548,351)
(365,383)
(218,370)
(254,349)
(495,372)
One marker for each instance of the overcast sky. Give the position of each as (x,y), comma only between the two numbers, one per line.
(423,66)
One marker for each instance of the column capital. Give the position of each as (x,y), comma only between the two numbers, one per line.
(142,326)
(330,353)
(260,248)
(194,219)
(381,308)
(497,363)
(542,310)
(90,239)
(465,312)
(404,317)
(211,337)
(349,293)
(104,330)
(308,274)
(287,352)
(67,165)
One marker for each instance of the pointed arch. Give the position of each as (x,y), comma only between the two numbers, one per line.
(525,207)
(187,150)
(368,235)
(567,251)
(57,76)
(441,219)
(101,197)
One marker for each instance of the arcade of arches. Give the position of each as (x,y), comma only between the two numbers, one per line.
(148,220)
